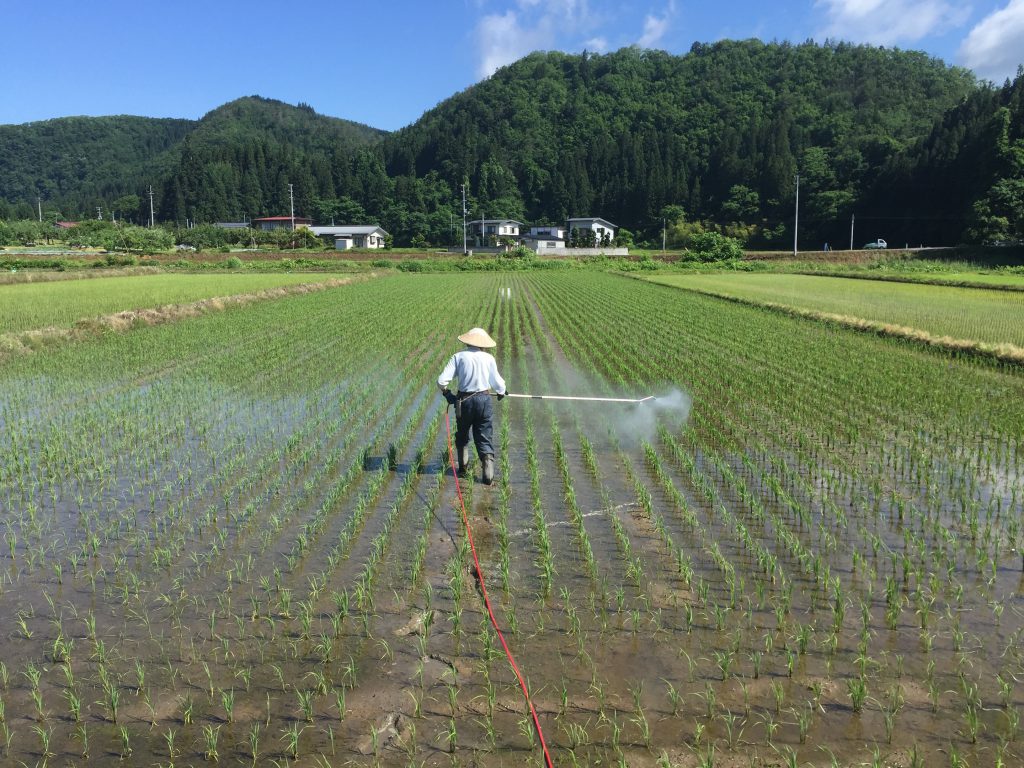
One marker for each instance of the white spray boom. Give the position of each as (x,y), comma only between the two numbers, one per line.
(590,399)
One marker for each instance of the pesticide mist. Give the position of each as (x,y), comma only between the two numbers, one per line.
(631,424)
(639,423)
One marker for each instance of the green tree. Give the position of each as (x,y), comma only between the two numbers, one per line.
(742,204)
(126,207)
(711,246)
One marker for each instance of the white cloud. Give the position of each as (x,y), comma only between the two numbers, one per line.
(888,22)
(532,25)
(500,40)
(995,47)
(654,30)
(655,27)
(517,27)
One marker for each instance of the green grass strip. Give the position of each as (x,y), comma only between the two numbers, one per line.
(29,306)
(991,317)
(1004,352)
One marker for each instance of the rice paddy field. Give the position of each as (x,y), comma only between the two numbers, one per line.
(991,316)
(29,306)
(234,539)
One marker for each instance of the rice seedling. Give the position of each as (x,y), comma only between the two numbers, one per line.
(290,738)
(674,697)
(254,742)
(126,747)
(306,704)
(857,689)
(804,717)
(227,700)
(211,739)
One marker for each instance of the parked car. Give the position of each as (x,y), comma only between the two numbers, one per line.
(876,245)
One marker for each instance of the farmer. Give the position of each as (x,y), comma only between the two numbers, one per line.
(475,373)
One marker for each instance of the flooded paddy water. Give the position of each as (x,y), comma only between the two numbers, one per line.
(237,540)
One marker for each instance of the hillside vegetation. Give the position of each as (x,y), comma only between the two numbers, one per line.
(720,132)
(713,139)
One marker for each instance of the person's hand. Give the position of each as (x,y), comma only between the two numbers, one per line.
(501,396)
(449,396)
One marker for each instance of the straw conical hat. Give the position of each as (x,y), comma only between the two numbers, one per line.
(477,337)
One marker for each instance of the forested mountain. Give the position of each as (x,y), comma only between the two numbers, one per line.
(236,161)
(712,138)
(964,180)
(719,133)
(240,159)
(77,163)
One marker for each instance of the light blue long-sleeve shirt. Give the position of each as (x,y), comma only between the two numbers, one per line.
(472,370)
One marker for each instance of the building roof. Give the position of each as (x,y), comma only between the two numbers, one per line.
(595,219)
(495,221)
(280,218)
(341,230)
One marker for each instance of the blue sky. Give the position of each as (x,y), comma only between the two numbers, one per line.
(384,63)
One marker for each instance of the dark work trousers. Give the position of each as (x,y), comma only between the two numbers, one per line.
(476,413)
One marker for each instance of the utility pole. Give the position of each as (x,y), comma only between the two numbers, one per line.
(465,249)
(152,220)
(39,202)
(99,213)
(852,215)
(796,214)
(663,226)
(291,200)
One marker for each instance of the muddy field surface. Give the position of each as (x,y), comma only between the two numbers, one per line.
(237,540)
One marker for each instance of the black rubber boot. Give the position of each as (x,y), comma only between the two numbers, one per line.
(488,462)
(463,460)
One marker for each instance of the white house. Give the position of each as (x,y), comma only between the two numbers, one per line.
(482,230)
(604,231)
(543,243)
(547,231)
(348,236)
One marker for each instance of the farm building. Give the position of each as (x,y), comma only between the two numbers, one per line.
(267,223)
(596,230)
(546,232)
(544,238)
(488,231)
(543,243)
(348,236)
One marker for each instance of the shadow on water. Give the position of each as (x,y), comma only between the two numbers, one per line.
(373,463)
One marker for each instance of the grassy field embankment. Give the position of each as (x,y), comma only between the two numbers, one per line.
(989,322)
(27,306)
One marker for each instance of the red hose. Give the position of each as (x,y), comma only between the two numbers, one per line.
(487,601)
